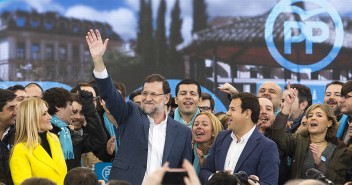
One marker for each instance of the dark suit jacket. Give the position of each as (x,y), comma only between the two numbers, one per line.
(259,157)
(131,159)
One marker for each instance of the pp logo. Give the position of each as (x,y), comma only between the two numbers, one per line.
(305,33)
(106,172)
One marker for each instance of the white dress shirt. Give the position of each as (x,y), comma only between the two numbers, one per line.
(156,143)
(235,150)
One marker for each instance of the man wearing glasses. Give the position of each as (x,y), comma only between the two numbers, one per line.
(344,132)
(207,103)
(149,137)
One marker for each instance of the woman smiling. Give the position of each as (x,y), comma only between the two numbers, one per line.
(37,152)
(204,131)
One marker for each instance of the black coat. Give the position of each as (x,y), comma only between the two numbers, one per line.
(93,138)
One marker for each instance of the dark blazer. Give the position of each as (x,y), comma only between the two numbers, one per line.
(259,157)
(131,159)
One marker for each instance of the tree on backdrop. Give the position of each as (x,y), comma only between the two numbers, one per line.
(174,58)
(160,38)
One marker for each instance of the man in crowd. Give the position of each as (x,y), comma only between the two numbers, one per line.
(207,103)
(300,105)
(243,147)
(188,93)
(8,113)
(60,107)
(332,97)
(344,133)
(149,137)
(273,92)
(136,97)
(34,90)
(266,116)
(20,92)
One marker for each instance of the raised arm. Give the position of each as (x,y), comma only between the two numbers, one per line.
(97,48)
(228,88)
(284,141)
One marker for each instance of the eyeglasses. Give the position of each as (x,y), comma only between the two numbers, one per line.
(152,94)
(203,109)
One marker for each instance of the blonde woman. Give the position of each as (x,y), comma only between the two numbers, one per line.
(205,128)
(37,152)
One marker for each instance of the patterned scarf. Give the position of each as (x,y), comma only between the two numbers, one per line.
(65,137)
(111,129)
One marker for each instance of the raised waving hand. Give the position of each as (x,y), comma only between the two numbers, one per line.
(97,48)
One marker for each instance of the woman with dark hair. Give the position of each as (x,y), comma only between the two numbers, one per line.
(315,150)
(82,176)
(37,152)
(38,181)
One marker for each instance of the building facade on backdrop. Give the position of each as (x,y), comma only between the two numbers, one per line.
(47,46)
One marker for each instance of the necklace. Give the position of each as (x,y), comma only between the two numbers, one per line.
(320,143)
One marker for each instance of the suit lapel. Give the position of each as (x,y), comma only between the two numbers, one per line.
(146,126)
(44,157)
(171,136)
(250,146)
(224,149)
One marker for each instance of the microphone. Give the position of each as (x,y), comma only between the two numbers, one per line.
(316,174)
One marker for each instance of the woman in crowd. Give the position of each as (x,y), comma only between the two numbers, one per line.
(316,150)
(37,152)
(204,131)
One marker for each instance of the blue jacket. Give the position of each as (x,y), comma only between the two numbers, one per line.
(131,159)
(259,157)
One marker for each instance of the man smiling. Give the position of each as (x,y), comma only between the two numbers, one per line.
(149,137)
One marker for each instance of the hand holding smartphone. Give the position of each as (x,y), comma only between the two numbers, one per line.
(174,176)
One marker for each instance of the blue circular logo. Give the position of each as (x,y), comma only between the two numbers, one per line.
(305,33)
(105,173)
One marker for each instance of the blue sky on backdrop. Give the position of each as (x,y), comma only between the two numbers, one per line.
(123,14)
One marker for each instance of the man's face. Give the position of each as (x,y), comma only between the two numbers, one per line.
(272,91)
(21,95)
(346,104)
(153,98)
(332,96)
(204,106)
(267,115)
(65,113)
(138,100)
(187,99)
(34,91)
(296,109)
(90,89)
(8,114)
(235,116)
(77,119)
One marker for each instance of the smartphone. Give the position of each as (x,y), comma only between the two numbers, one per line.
(174,176)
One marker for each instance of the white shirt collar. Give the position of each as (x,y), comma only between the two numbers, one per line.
(162,123)
(245,137)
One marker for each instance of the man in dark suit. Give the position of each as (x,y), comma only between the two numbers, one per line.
(243,147)
(148,137)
